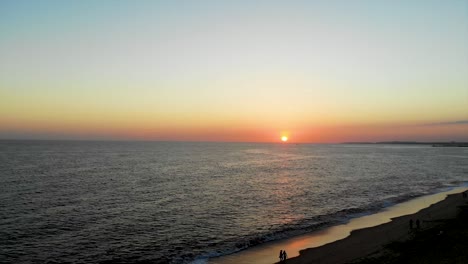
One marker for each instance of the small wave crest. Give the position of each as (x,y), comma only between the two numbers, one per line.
(316,223)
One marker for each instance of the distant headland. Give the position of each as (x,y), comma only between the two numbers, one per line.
(434,144)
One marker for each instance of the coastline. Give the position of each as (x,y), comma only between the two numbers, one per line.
(356,238)
(363,242)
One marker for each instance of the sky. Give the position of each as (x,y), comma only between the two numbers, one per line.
(249,71)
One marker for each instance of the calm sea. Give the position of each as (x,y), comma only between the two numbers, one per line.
(169,202)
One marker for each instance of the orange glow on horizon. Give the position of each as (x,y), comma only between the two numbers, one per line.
(237,131)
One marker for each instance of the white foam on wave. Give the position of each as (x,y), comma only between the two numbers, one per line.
(199,261)
(265,254)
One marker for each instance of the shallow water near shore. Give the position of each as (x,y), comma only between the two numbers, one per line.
(179,202)
(267,254)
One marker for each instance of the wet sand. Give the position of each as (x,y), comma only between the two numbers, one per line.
(363,242)
(357,238)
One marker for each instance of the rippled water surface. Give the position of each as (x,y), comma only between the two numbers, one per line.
(162,202)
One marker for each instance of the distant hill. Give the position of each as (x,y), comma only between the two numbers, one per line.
(434,144)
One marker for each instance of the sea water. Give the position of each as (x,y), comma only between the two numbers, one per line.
(180,202)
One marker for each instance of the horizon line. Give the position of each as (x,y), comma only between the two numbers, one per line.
(251,142)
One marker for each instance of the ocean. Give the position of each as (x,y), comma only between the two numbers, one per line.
(180,202)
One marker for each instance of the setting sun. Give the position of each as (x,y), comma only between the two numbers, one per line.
(284,138)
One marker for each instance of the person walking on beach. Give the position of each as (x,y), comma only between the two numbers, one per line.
(285,255)
(281,255)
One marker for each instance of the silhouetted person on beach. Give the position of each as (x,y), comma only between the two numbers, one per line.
(285,255)
(411,223)
(281,255)
(418,224)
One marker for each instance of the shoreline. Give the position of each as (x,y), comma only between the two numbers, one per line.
(363,242)
(387,225)
(445,242)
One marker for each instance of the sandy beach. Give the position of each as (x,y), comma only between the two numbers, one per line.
(358,237)
(366,241)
